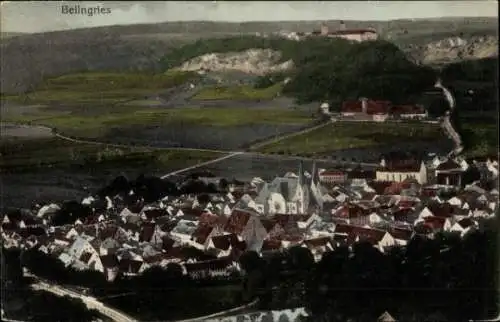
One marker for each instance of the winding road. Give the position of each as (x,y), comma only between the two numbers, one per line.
(446,123)
(90,302)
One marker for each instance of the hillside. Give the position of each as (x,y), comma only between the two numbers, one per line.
(252,61)
(26,59)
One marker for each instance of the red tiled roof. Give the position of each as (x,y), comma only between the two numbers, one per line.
(407,109)
(368,234)
(107,232)
(449,165)
(435,223)
(441,209)
(237,221)
(201,233)
(350,210)
(223,242)
(372,107)
(351,107)
(271,244)
(405,204)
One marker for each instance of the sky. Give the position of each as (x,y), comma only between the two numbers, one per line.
(34,16)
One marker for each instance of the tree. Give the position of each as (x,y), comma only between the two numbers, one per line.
(301,258)
(250,261)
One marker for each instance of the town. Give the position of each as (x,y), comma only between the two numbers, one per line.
(319,209)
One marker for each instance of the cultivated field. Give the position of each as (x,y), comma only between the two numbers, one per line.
(51,169)
(99,106)
(240,92)
(348,135)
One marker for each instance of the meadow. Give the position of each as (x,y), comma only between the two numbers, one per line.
(350,135)
(239,92)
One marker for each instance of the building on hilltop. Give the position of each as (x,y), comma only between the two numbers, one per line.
(358,35)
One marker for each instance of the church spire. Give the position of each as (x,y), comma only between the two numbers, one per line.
(300,175)
(314,173)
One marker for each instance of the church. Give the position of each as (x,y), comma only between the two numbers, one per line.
(291,194)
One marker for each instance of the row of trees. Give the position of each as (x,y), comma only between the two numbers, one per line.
(447,277)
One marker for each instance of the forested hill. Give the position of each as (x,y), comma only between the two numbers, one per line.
(27,59)
(324,68)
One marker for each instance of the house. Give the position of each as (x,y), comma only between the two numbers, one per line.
(351,234)
(318,246)
(386,317)
(225,245)
(110,267)
(449,172)
(401,171)
(357,35)
(408,112)
(247,224)
(332,176)
(271,247)
(82,255)
(130,266)
(366,109)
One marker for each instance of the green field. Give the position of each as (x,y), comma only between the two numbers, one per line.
(480,138)
(345,135)
(26,155)
(100,88)
(241,92)
(97,124)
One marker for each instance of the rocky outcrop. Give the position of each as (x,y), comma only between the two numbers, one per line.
(454,49)
(252,61)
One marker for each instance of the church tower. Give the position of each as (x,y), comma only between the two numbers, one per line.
(301,193)
(315,188)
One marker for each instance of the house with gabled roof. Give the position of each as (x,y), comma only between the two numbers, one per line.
(398,171)
(449,173)
(246,223)
(224,245)
(318,246)
(204,232)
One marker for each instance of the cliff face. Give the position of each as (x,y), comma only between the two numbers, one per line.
(454,49)
(252,61)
